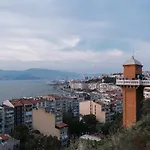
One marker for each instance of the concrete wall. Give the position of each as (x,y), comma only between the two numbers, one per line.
(90,107)
(100,115)
(45,122)
(85,108)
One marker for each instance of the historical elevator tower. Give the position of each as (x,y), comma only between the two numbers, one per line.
(132,83)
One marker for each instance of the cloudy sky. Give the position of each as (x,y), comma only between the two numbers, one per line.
(76,35)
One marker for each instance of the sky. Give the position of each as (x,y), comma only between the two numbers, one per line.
(86,36)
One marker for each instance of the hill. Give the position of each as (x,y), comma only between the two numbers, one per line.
(36,74)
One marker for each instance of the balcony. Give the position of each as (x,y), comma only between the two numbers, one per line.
(121,82)
(28,113)
(63,137)
(28,121)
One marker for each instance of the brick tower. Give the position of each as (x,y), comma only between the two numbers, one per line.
(132,85)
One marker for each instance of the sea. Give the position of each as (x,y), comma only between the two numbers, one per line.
(14,89)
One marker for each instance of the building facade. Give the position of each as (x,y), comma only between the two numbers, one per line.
(9,119)
(78,85)
(2,121)
(50,124)
(97,108)
(27,112)
(18,112)
(61,104)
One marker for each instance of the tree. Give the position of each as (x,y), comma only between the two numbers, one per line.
(116,123)
(21,133)
(34,140)
(77,127)
(43,143)
(136,137)
(90,119)
(146,107)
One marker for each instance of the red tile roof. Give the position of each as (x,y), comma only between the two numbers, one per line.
(51,97)
(61,125)
(33,101)
(16,103)
(40,101)
(5,137)
(25,102)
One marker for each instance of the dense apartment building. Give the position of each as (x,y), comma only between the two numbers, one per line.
(18,112)
(9,119)
(116,106)
(8,116)
(49,123)
(97,108)
(2,121)
(78,85)
(81,95)
(61,104)
(93,86)
(27,110)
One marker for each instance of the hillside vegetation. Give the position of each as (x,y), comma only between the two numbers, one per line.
(134,138)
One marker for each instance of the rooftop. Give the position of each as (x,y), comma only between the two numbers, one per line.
(25,102)
(61,125)
(132,61)
(90,137)
(16,103)
(8,104)
(51,97)
(4,137)
(98,102)
(33,101)
(8,142)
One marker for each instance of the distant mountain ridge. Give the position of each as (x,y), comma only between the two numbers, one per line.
(37,74)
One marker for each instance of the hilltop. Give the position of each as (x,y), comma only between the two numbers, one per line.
(36,74)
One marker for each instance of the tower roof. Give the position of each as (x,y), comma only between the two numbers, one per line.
(132,61)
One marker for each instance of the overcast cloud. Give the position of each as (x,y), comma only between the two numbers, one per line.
(75,35)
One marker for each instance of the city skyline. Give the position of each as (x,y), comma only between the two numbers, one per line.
(80,36)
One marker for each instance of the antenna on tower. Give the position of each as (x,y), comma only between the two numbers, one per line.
(133,53)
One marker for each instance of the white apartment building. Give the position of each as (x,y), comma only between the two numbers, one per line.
(78,85)
(106,101)
(147,92)
(2,120)
(61,104)
(93,86)
(9,119)
(8,116)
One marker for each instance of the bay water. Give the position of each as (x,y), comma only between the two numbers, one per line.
(11,89)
